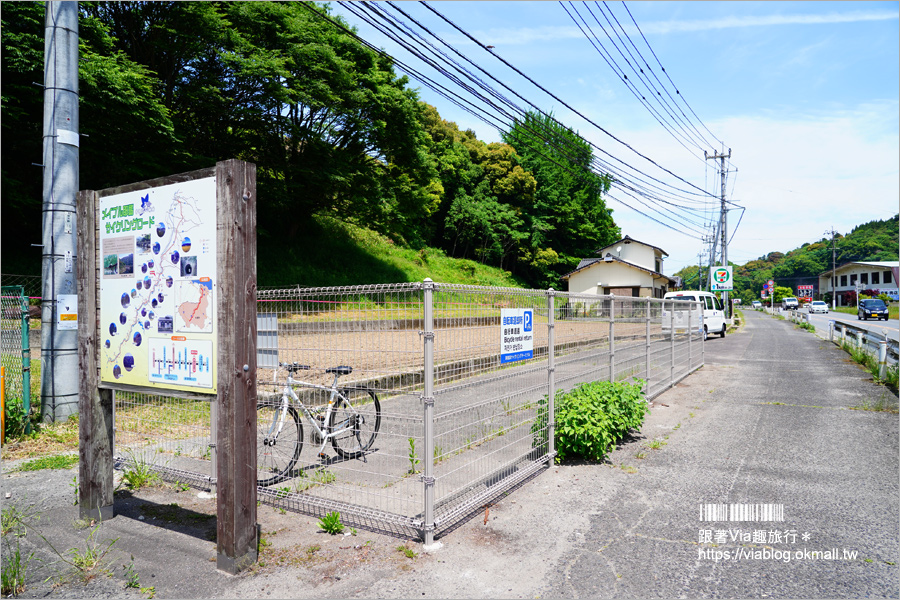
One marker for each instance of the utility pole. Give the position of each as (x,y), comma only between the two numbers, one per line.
(833,274)
(723,221)
(700,270)
(59,340)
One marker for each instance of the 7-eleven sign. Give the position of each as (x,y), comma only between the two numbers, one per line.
(722,280)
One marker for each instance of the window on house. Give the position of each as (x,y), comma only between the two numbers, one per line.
(864,278)
(853,279)
(876,278)
(887,277)
(843,281)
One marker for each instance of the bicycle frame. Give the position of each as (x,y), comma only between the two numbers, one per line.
(288,393)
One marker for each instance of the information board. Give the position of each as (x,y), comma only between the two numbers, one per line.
(158,288)
(516,334)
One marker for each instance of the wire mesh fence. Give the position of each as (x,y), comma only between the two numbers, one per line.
(171,437)
(15,349)
(459,422)
(487,432)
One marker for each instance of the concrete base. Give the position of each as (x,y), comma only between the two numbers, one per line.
(104,513)
(433,547)
(234,566)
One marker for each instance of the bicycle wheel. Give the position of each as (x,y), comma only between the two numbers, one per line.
(276,451)
(355,424)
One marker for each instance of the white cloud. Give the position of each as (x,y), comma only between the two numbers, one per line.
(798,176)
(663,27)
(502,36)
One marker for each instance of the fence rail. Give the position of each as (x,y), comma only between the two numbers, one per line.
(460,424)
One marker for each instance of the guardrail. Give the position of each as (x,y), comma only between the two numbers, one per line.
(886,349)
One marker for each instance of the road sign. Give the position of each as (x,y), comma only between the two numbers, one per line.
(722,280)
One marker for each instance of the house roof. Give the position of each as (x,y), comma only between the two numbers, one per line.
(880,264)
(630,240)
(586,263)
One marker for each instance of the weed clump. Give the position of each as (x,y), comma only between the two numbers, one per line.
(592,419)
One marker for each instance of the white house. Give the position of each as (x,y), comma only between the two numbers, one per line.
(880,277)
(625,268)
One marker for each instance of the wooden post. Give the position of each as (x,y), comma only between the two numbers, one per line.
(236,529)
(95,406)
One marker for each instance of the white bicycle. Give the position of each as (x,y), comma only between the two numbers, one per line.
(350,421)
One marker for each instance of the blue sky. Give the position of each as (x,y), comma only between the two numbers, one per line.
(805,94)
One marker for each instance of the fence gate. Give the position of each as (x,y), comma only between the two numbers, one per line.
(16,353)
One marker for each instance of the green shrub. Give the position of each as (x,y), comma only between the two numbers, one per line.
(592,418)
(15,420)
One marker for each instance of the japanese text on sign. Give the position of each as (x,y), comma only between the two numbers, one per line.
(516,334)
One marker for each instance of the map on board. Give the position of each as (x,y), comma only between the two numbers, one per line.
(157,286)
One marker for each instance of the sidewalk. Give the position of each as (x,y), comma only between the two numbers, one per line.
(765,422)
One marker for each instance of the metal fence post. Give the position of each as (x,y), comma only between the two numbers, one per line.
(428,415)
(702,333)
(26,363)
(859,339)
(551,379)
(843,335)
(612,338)
(690,332)
(830,331)
(672,349)
(647,345)
(882,359)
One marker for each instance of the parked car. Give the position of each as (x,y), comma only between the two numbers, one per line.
(756,304)
(872,307)
(710,313)
(789,303)
(818,307)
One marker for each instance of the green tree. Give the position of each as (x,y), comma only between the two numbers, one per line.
(567,214)
(330,125)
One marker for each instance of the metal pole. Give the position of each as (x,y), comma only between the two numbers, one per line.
(26,362)
(59,349)
(672,349)
(690,332)
(882,359)
(428,415)
(612,338)
(647,348)
(551,378)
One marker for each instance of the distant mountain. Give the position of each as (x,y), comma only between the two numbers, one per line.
(872,241)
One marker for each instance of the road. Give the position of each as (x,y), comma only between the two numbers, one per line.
(891,326)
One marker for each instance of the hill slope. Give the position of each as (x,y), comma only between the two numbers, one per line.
(329,252)
(872,241)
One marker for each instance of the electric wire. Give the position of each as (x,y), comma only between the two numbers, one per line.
(382,16)
(459,101)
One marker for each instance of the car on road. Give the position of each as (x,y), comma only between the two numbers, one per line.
(872,307)
(789,303)
(818,307)
(756,304)
(709,312)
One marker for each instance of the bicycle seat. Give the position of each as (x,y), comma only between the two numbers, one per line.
(341,370)
(295,367)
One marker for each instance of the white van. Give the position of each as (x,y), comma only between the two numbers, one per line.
(712,317)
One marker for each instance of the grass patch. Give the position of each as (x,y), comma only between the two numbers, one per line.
(59,461)
(45,439)
(330,252)
(883,404)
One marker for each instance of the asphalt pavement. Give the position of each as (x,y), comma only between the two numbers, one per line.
(772,431)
